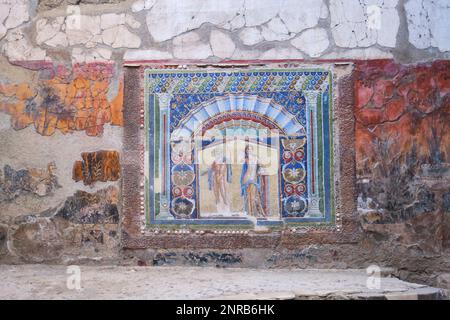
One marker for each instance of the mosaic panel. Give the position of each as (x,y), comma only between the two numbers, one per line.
(239,147)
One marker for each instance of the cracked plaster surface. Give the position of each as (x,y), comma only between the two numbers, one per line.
(428,23)
(12,14)
(363,23)
(166,19)
(110,29)
(235,29)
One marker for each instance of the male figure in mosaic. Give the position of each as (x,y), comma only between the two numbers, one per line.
(219,174)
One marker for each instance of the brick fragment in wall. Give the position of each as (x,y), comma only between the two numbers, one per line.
(37,181)
(100,207)
(65,99)
(97,166)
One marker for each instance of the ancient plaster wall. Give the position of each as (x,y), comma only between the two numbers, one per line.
(62,157)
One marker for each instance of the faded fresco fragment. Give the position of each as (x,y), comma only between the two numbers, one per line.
(92,208)
(38,181)
(65,100)
(97,166)
(84,224)
(402,141)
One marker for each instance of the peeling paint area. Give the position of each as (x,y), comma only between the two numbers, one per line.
(91,208)
(71,100)
(38,181)
(97,166)
(402,140)
(408,104)
(85,225)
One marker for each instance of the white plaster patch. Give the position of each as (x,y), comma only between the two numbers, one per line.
(243,54)
(18,13)
(236,23)
(363,23)
(132,22)
(324,11)
(46,31)
(278,53)
(51,33)
(251,36)
(5,122)
(120,37)
(276,30)
(83,29)
(151,54)
(191,46)
(362,54)
(221,44)
(142,5)
(110,20)
(59,39)
(80,55)
(428,23)
(257,12)
(170,18)
(300,15)
(12,14)
(18,48)
(312,41)
(111,29)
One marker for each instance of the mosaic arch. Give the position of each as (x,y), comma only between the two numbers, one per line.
(239,147)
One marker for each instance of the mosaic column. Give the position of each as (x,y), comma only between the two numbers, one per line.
(163,154)
(313,155)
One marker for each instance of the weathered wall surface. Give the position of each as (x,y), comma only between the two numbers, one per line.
(61,119)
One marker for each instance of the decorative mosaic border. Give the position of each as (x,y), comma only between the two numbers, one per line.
(185,83)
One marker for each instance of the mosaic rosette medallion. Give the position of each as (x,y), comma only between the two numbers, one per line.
(239,147)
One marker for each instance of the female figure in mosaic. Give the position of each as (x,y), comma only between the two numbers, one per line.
(251,184)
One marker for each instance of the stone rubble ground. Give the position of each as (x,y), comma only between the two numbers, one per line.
(176,283)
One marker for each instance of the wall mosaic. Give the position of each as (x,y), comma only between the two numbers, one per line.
(239,147)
